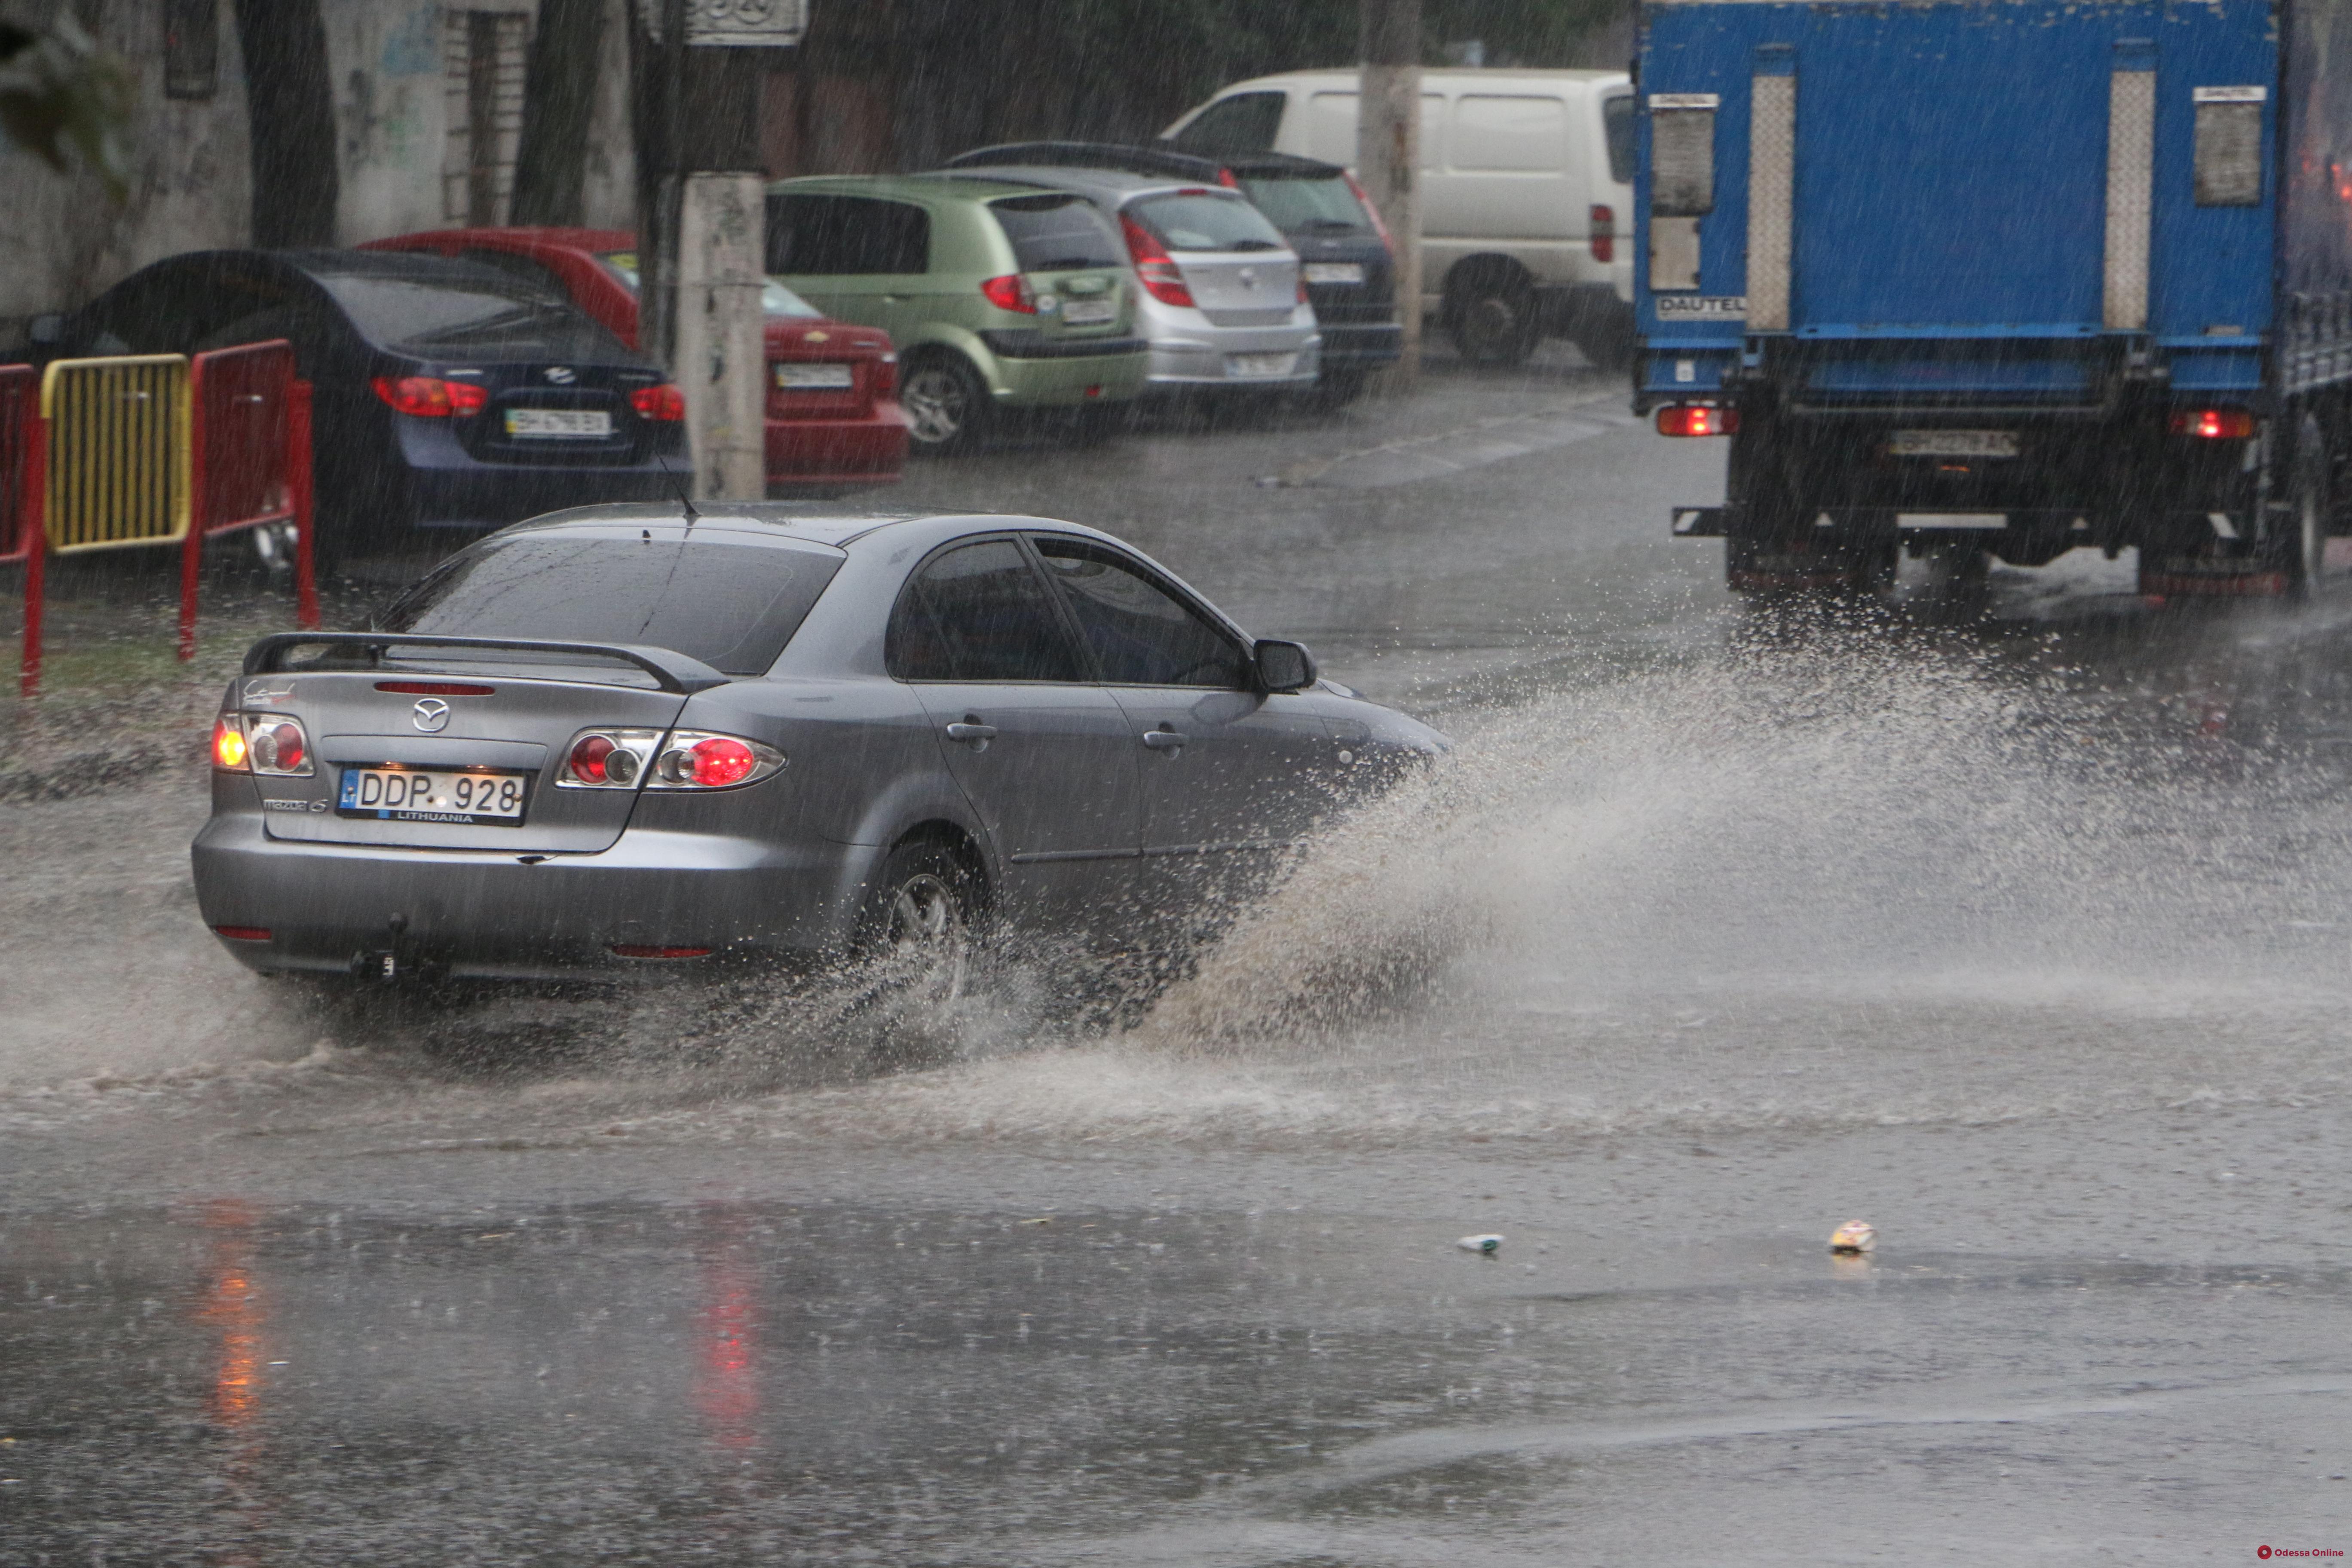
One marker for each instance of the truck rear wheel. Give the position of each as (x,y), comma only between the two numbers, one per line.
(2306,548)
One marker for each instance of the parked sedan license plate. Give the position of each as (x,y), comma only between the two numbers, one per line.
(1087,312)
(416,794)
(1335,272)
(559,422)
(1952,444)
(1259,364)
(813,377)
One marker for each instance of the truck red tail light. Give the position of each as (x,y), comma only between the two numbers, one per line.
(429,397)
(1010,292)
(1380,226)
(2214,423)
(1697,419)
(1604,234)
(662,403)
(1153,265)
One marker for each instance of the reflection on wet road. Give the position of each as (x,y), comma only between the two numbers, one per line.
(2028,940)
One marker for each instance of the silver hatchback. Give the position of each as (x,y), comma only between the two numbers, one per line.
(628,738)
(1223,302)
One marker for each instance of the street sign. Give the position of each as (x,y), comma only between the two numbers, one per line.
(737,24)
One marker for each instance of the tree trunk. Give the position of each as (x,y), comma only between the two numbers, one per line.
(558,102)
(291,111)
(1387,154)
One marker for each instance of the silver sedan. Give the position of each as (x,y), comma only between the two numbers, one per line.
(625,737)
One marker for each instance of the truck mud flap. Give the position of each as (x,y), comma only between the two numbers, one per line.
(1705,521)
(2201,577)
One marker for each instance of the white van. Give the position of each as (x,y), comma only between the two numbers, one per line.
(1527,199)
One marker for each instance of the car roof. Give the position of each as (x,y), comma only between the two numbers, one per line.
(1116,186)
(595,240)
(914,187)
(801,521)
(1137,159)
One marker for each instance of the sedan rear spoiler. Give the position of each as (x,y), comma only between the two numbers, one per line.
(674,671)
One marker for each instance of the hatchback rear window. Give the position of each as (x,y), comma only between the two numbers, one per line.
(846,237)
(1205,222)
(1056,233)
(733,607)
(1307,205)
(1617,124)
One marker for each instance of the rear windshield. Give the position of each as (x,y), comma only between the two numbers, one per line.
(1056,234)
(1245,122)
(1205,222)
(1617,124)
(511,318)
(1307,206)
(733,607)
(774,298)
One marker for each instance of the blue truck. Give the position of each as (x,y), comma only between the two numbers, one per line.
(1982,279)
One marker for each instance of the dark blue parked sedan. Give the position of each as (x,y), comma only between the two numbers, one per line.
(450,398)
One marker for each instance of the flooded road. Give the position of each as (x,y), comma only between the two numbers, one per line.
(2028,941)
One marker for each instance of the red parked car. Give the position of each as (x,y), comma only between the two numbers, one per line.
(832,413)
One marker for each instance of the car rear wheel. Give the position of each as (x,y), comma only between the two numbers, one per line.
(917,947)
(946,404)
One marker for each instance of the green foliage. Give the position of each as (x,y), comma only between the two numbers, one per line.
(60,91)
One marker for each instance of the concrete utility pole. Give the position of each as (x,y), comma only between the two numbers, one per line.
(1387,154)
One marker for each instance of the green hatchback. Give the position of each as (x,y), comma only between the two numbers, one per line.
(998,295)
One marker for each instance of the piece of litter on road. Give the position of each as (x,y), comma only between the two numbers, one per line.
(1486,1245)
(1854,1236)
(1048,1220)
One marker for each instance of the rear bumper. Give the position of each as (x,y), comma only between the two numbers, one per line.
(867,451)
(449,487)
(1063,383)
(468,914)
(1208,359)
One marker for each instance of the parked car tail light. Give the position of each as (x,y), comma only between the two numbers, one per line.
(2214,423)
(243,933)
(429,397)
(229,749)
(886,376)
(1302,285)
(276,746)
(1373,213)
(698,759)
(1604,234)
(1154,265)
(663,402)
(607,758)
(1697,419)
(1010,292)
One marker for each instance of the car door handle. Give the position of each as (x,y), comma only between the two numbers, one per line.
(1163,740)
(972,731)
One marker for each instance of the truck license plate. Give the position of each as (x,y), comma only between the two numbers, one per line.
(1952,444)
(416,794)
(575,423)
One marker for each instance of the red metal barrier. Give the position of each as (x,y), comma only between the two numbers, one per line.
(251,464)
(24,490)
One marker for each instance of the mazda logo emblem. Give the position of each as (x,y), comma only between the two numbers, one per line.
(432,715)
(562,375)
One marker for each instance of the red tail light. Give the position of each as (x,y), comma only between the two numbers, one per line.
(244,934)
(1153,265)
(435,689)
(429,397)
(713,763)
(1372,213)
(886,376)
(1604,234)
(1302,285)
(1225,178)
(1010,292)
(686,759)
(277,746)
(662,402)
(2214,423)
(1696,419)
(229,749)
(642,950)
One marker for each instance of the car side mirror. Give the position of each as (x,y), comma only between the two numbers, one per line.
(46,330)
(1283,666)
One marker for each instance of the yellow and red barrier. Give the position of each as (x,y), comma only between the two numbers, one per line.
(149,449)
